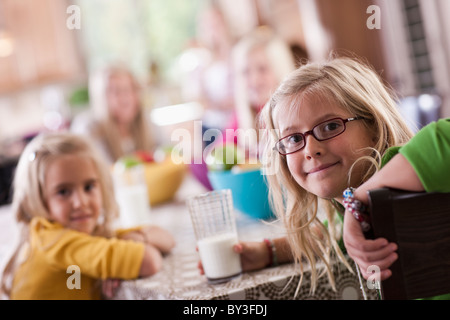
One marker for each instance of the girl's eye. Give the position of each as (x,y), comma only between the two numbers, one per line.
(295,139)
(331,126)
(63,192)
(89,186)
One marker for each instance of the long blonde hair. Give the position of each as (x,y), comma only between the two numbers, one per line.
(106,128)
(28,198)
(357,88)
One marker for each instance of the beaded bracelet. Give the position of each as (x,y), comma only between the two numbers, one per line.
(273,258)
(357,209)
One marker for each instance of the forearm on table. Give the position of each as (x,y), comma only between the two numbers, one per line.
(152,235)
(397,174)
(151,261)
(159,238)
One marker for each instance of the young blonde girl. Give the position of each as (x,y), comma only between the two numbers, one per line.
(354,90)
(117,121)
(64,205)
(302,180)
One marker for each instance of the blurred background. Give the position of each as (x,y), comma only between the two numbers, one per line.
(48,48)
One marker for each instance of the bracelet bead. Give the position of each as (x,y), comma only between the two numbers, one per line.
(356,208)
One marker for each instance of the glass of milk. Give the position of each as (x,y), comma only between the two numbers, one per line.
(131,194)
(214,225)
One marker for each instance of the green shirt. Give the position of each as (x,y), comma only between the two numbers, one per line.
(429,154)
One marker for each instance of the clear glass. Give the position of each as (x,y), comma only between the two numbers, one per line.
(214,224)
(131,195)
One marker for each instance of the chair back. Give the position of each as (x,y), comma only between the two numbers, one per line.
(420,225)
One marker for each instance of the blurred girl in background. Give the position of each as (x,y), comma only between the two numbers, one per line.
(118,123)
(261,60)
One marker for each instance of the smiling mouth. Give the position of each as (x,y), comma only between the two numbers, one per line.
(322,168)
(79,218)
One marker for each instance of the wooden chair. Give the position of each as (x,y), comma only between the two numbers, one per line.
(420,224)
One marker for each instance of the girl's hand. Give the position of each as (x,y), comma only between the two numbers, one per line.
(366,253)
(152,235)
(398,173)
(109,287)
(254,256)
(159,238)
(134,236)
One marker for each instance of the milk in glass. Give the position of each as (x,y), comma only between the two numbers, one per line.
(131,194)
(134,205)
(218,257)
(214,224)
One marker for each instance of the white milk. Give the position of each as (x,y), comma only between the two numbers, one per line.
(218,257)
(134,205)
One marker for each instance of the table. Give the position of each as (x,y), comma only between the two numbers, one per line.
(179,278)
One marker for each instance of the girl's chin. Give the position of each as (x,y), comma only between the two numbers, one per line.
(84,228)
(327,194)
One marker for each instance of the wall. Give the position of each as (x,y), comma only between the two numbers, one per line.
(44,64)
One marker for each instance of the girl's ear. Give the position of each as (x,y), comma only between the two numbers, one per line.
(374,132)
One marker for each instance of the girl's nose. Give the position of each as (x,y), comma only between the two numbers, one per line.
(79,199)
(253,79)
(313,147)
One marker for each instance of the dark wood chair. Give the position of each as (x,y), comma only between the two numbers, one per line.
(420,224)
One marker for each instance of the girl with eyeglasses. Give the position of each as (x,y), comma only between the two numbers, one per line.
(331,126)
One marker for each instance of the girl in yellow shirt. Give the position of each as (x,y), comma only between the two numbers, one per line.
(64,204)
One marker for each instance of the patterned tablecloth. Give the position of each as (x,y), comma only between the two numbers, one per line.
(179,278)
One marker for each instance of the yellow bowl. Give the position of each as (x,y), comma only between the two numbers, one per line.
(163,180)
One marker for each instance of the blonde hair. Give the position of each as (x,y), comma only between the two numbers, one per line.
(359,90)
(106,128)
(29,201)
(280,59)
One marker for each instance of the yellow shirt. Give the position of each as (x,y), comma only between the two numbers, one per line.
(45,272)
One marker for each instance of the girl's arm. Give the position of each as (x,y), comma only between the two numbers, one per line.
(159,238)
(151,262)
(157,241)
(152,235)
(397,173)
(422,164)
(97,256)
(256,255)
